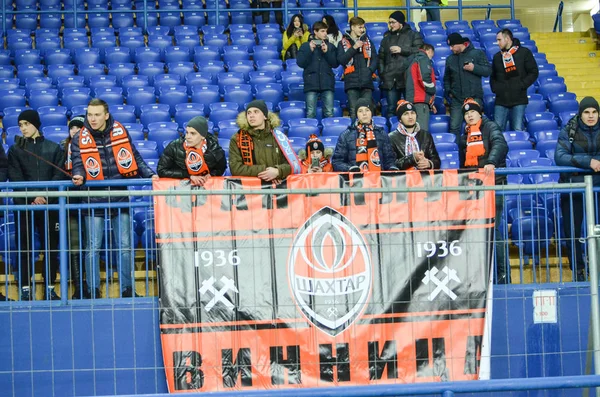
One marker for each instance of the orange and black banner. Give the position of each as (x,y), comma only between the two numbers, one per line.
(308,290)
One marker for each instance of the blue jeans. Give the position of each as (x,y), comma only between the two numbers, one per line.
(311,103)
(456,118)
(121,225)
(354,95)
(433,14)
(393,96)
(516,116)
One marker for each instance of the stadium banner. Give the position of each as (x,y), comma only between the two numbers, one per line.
(308,290)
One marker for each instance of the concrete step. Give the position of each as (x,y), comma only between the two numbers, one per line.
(583,92)
(551,46)
(574,61)
(559,35)
(576,86)
(572,53)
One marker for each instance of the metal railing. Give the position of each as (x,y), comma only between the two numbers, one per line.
(558,21)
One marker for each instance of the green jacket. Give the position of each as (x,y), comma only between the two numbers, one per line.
(266,150)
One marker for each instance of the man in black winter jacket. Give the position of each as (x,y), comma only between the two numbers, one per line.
(104,150)
(462,78)
(358,56)
(317,57)
(514,69)
(197,156)
(30,159)
(397,45)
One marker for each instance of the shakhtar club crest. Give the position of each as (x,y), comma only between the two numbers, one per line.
(330,271)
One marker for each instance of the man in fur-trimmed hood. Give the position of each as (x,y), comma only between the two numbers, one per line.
(257,149)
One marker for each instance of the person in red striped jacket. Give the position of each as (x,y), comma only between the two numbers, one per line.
(420,84)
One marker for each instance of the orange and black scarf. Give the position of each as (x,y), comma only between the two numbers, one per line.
(121,147)
(194,160)
(475,148)
(366,51)
(510,67)
(367,154)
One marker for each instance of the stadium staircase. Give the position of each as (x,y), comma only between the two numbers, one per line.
(576,59)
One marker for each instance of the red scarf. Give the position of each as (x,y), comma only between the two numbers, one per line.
(122,150)
(194,160)
(510,67)
(475,148)
(366,51)
(367,154)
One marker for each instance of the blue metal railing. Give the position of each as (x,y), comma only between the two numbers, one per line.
(558,21)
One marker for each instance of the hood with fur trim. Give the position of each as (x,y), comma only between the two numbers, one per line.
(273,121)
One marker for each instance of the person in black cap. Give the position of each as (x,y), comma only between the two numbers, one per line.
(30,159)
(462,77)
(483,146)
(75,246)
(364,146)
(197,156)
(258,149)
(577,146)
(397,45)
(413,145)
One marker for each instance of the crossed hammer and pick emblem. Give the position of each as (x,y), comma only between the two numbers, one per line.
(219,294)
(441,284)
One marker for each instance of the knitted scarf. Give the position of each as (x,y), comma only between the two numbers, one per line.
(475,148)
(366,51)
(367,154)
(510,67)
(411,145)
(194,160)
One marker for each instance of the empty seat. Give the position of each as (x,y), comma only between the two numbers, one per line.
(111,95)
(147,54)
(270,92)
(270,65)
(12,98)
(43,43)
(60,56)
(25,71)
(184,112)
(235,53)
(210,66)
(69,82)
(134,80)
(45,97)
(102,41)
(238,93)
(154,112)
(205,94)
(291,110)
(242,66)
(123,113)
(75,42)
(181,69)
(223,111)
(75,96)
(151,69)
(122,20)
(303,127)
(86,56)
(89,71)
(206,53)
(175,54)
(53,115)
(173,95)
(138,96)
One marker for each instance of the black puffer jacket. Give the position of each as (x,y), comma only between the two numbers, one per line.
(23,167)
(460,84)
(579,152)
(512,91)
(362,76)
(172,160)
(392,67)
(3,165)
(109,163)
(426,145)
(317,65)
(495,146)
(344,155)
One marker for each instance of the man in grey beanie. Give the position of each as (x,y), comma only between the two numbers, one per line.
(197,156)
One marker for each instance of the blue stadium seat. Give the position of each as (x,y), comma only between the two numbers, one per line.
(228,78)
(12,98)
(50,21)
(57,57)
(75,32)
(138,96)
(266,52)
(122,20)
(163,134)
(75,42)
(130,32)
(541,125)
(187,40)
(206,53)
(289,77)
(75,96)
(9,83)
(537,162)
(261,77)
(270,92)
(551,85)
(291,110)
(123,114)
(85,56)
(27,57)
(519,145)
(566,116)
(215,40)
(273,40)
(155,30)
(157,112)
(36,83)
(223,111)
(298,143)
(25,71)
(151,69)
(205,94)
(184,112)
(162,125)
(242,39)
(175,54)
(516,155)
(446,146)
(136,130)
(513,136)
(544,146)
(160,42)
(44,43)
(241,66)
(443,137)
(5,57)
(197,19)
(107,80)
(68,82)
(233,53)
(267,28)
(147,54)
(210,66)
(78,110)
(538,116)
(55,133)
(102,42)
(535,106)
(547,70)
(227,132)
(45,97)
(238,93)
(96,20)
(181,69)
(89,71)
(111,95)
(532,233)
(226,124)
(508,23)
(540,58)
(199,78)
(303,127)
(53,115)
(11,115)
(170,19)
(561,96)
(165,80)
(567,105)
(173,95)
(185,29)
(130,43)
(119,70)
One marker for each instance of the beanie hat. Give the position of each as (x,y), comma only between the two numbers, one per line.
(363,102)
(260,105)
(402,107)
(398,16)
(588,102)
(76,121)
(31,116)
(314,143)
(200,124)
(456,38)
(471,104)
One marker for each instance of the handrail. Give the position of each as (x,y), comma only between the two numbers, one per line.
(488,13)
(558,20)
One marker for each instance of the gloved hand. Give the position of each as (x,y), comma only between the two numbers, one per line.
(20,141)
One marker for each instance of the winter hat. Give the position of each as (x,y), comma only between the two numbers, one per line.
(260,105)
(31,116)
(398,16)
(471,104)
(402,107)
(314,143)
(363,102)
(587,102)
(456,38)
(76,121)
(200,124)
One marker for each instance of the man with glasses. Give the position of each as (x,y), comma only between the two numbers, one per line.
(397,45)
